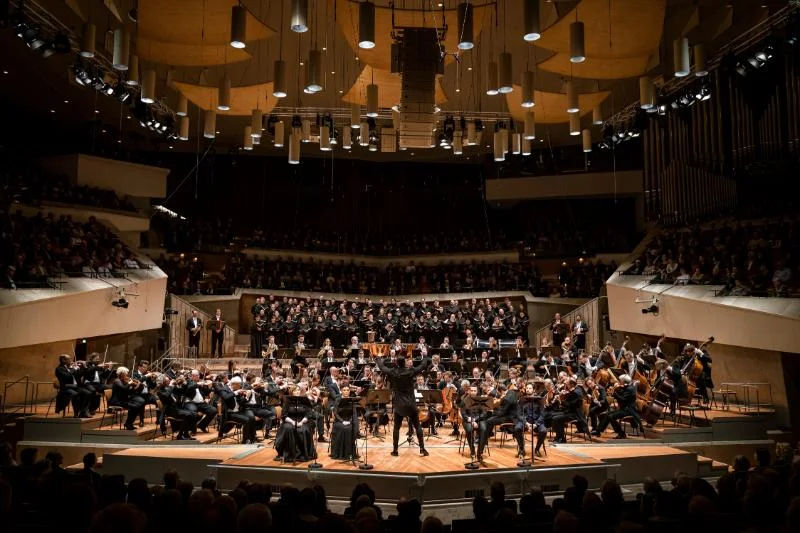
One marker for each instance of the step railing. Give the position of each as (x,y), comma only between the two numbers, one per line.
(178,336)
(22,408)
(591,313)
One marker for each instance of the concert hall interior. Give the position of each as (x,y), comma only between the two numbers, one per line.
(399,266)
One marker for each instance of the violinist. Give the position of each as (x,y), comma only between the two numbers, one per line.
(196,393)
(362,359)
(258,404)
(375,414)
(95,378)
(235,409)
(572,398)
(530,416)
(430,420)
(124,394)
(625,394)
(69,389)
(598,401)
(506,411)
(584,368)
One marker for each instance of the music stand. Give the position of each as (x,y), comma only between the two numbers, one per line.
(273,400)
(431,397)
(523,402)
(377,398)
(304,401)
(479,405)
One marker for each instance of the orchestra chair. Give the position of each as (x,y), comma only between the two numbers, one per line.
(634,429)
(689,409)
(724,393)
(57,390)
(462,442)
(222,422)
(574,428)
(505,429)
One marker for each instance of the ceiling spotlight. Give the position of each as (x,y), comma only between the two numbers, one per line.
(465,28)
(366,25)
(238,26)
(530,20)
(299,17)
(577,50)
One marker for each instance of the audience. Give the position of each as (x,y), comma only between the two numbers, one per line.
(748,258)
(42,496)
(33,249)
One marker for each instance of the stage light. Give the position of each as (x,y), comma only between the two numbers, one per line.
(465,27)
(184,129)
(122,49)
(238,26)
(314,72)
(279,79)
(577,51)
(491,79)
(680,56)
(210,124)
(88,41)
(574,124)
(148,94)
(504,75)
(247,141)
(700,60)
(529,130)
(372,100)
(122,93)
(278,135)
(224,94)
(572,97)
(294,147)
(366,25)
(299,20)
(530,21)
(653,309)
(646,93)
(528,91)
(597,115)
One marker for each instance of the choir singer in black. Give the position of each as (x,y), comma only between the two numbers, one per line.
(403,401)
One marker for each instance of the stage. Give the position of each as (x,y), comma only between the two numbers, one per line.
(440,477)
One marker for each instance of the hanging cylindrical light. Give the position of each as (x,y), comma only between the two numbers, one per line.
(577,47)
(646,92)
(294,148)
(133,71)
(278,141)
(256,141)
(238,26)
(298,21)
(530,20)
(122,49)
(528,98)
(526,147)
(88,38)
(363,134)
(465,28)
(210,124)
(396,120)
(529,131)
(516,143)
(472,137)
(347,139)
(372,100)
(148,93)
(506,140)
(256,122)
(499,149)
(504,74)
(224,94)
(572,97)
(587,140)
(279,79)
(182,107)
(355,116)
(458,143)
(247,142)
(373,145)
(597,115)
(366,25)
(305,130)
(574,124)
(700,60)
(325,138)
(680,56)
(314,79)
(183,134)
(491,79)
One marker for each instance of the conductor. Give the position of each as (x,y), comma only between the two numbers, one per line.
(403,401)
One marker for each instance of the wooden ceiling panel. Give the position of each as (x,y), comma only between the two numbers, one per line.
(188,55)
(551,108)
(597,67)
(243,99)
(389,87)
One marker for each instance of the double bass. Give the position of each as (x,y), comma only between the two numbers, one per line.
(692,370)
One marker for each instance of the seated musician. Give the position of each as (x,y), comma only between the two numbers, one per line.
(327,345)
(584,367)
(421,385)
(422,347)
(476,373)
(436,364)
(354,344)
(474,419)
(294,439)
(345,428)
(632,362)
(257,404)
(362,358)
(530,417)
(69,389)
(625,394)
(572,409)
(598,401)
(173,370)
(445,345)
(235,401)
(170,401)
(328,356)
(196,395)
(299,360)
(350,369)
(124,393)
(95,380)
(507,410)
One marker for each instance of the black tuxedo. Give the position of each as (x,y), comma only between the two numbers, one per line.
(626,406)
(123,396)
(573,410)
(216,339)
(403,400)
(194,338)
(70,391)
(208,411)
(475,419)
(530,413)
(172,408)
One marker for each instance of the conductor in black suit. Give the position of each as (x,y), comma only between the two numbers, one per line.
(194,323)
(402,379)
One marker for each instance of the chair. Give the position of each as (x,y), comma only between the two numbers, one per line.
(725,393)
(505,429)
(54,399)
(222,422)
(116,412)
(635,429)
(577,429)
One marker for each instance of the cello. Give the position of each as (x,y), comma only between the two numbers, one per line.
(693,369)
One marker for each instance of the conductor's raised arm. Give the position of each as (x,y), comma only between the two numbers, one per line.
(425,363)
(383,368)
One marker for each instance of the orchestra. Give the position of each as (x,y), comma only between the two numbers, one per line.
(332,391)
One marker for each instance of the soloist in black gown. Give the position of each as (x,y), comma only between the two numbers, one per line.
(345,428)
(294,443)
